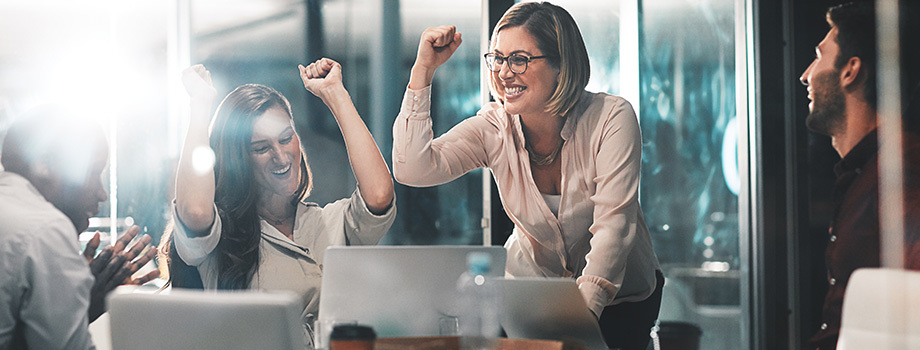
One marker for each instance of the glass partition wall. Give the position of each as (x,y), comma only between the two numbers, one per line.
(691,180)
(680,63)
(676,62)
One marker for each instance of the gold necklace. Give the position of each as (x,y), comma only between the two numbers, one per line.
(540,159)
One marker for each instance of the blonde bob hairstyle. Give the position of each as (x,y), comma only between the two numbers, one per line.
(559,39)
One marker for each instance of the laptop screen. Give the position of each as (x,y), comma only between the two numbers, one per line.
(400,291)
(548,308)
(186,319)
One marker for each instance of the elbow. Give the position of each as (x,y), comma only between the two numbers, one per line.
(406,176)
(400,175)
(380,199)
(196,218)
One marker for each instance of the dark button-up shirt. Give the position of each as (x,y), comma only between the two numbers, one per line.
(853,236)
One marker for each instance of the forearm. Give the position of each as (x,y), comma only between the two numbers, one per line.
(195,187)
(371,171)
(420,77)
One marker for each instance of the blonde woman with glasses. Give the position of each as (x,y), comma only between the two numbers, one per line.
(566,162)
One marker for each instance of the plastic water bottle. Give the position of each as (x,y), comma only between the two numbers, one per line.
(479,319)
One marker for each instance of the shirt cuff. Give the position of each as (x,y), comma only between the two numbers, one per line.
(417,103)
(597,293)
(194,250)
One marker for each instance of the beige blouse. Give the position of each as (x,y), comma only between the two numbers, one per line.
(297,265)
(599,236)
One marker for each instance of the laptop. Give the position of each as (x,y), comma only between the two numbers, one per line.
(187,319)
(400,291)
(548,308)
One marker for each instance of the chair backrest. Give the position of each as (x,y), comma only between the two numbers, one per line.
(881,310)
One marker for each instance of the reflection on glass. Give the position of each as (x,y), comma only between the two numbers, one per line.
(689,176)
(689,185)
(445,214)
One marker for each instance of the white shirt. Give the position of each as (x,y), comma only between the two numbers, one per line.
(297,265)
(552,201)
(44,281)
(599,237)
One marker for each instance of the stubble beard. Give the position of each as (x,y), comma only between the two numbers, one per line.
(827,115)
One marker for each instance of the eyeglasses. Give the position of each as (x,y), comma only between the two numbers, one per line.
(517,63)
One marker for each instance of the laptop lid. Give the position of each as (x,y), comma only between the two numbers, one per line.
(187,319)
(548,308)
(401,291)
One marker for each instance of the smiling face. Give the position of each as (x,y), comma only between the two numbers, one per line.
(528,92)
(827,106)
(275,154)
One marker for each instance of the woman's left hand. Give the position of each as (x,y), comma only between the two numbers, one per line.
(321,77)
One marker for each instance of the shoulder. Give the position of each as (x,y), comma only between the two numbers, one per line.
(612,106)
(26,216)
(598,111)
(493,113)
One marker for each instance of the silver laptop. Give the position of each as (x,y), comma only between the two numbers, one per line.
(548,308)
(185,319)
(400,291)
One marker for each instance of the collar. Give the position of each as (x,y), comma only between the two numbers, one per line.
(14,179)
(271,234)
(568,128)
(866,149)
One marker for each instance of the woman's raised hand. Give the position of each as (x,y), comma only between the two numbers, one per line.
(320,76)
(197,81)
(436,46)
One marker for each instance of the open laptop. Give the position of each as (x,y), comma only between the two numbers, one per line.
(548,308)
(185,319)
(400,291)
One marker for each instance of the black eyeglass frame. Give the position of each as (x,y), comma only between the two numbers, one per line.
(495,57)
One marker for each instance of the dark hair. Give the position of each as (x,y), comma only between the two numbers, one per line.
(235,193)
(855,24)
(559,38)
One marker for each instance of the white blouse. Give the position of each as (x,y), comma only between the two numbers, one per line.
(296,265)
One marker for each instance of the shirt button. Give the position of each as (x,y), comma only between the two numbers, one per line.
(833,281)
(824,326)
(833,238)
(415,98)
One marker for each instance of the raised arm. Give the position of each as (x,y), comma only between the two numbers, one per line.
(195,186)
(418,158)
(323,78)
(434,48)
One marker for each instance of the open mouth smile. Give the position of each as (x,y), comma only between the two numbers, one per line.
(282,171)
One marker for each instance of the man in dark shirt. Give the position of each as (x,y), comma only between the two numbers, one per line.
(841,86)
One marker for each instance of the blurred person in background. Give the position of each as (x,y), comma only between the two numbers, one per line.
(841,84)
(50,187)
